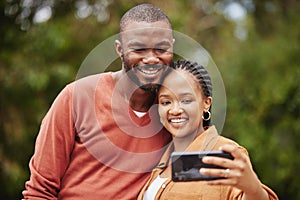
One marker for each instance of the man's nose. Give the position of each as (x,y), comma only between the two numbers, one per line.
(150,57)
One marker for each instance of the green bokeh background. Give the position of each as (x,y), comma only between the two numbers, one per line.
(257,55)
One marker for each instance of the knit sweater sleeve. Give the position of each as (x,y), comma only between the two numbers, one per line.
(53,148)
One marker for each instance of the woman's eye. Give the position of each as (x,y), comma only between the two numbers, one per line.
(186,101)
(165,102)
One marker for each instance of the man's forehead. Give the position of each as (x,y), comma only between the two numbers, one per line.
(147,31)
(141,28)
(138,25)
(159,36)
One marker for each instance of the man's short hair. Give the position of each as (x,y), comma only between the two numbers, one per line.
(143,13)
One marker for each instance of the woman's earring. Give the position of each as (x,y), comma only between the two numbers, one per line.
(206,116)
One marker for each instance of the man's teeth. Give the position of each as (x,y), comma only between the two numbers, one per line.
(149,71)
(178,120)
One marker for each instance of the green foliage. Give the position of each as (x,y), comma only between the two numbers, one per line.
(262,80)
(261,74)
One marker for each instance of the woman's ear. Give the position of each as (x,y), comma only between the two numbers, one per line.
(118,47)
(207,103)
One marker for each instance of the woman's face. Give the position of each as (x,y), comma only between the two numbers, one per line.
(181,103)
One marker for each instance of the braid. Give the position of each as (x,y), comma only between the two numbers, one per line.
(199,72)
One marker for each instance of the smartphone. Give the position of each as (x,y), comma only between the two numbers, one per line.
(186,165)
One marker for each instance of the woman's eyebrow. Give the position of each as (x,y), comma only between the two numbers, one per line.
(163,95)
(186,94)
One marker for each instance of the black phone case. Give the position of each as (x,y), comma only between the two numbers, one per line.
(186,165)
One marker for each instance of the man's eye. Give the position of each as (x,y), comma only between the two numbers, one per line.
(161,50)
(139,50)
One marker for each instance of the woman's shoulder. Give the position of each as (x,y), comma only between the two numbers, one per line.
(224,140)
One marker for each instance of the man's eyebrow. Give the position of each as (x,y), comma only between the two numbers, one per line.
(137,44)
(162,43)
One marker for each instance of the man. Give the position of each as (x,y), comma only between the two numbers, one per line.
(102,136)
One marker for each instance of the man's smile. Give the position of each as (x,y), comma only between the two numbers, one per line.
(150,70)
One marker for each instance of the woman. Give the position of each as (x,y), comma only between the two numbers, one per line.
(184,101)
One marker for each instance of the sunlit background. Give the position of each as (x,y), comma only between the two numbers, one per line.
(254,43)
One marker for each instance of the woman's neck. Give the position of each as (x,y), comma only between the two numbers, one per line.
(182,143)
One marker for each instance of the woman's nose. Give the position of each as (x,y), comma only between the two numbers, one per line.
(176,110)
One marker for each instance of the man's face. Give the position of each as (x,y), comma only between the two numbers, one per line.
(146,52)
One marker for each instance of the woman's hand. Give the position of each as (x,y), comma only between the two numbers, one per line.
(237,173)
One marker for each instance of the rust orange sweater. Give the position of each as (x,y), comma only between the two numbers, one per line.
(92,146)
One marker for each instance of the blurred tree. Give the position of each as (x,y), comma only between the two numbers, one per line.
(255,43)
(262,78)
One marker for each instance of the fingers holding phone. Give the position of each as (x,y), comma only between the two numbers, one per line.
(237,172)
(226,166)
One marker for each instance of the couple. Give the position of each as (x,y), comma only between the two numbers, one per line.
(104,134)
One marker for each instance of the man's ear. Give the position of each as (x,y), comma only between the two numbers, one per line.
(118,47)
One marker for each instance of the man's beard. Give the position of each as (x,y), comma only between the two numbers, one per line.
(130,71)
(150,88)
(147,87)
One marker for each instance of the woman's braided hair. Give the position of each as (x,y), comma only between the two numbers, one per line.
(200,74)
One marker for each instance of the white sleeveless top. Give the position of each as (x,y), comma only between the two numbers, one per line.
(153,188)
